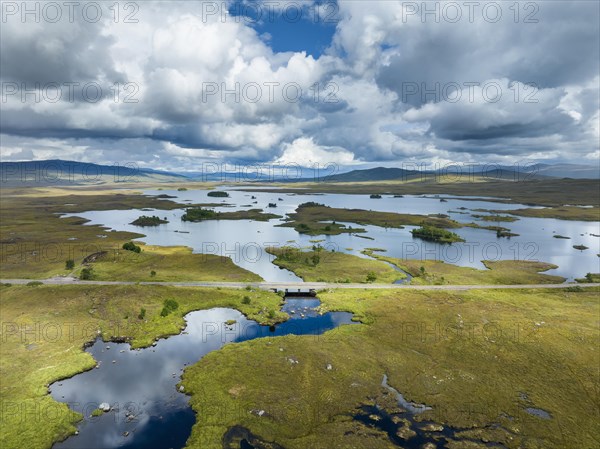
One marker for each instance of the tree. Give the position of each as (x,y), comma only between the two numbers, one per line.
(70,264)
(371,276)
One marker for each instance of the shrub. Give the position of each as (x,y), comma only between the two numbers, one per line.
(86,274)
(271,314)
(34,283)
(371,276)
(170,305)
(246,300)
(130,246)
(142,314)
(153,273)
(70,264)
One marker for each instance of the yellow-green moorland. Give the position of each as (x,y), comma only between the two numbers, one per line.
(479,359)
(326,266)
(36,242)
(44,329)
(168,264)
(503,272)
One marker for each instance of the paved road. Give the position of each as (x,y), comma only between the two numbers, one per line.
(295,286)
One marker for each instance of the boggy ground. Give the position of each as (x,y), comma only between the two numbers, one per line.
(478,358)
(501,272)
(326,266)
(44,329)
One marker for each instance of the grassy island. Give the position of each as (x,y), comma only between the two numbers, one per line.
(196,214)
(218,194)
(146,220)
(438,235)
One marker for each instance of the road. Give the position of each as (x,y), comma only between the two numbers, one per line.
(294,286)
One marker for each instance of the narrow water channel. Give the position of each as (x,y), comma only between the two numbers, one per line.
(146,407)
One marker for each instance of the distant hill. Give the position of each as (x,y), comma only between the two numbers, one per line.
(374,174)
(537,171)
(58,172)
(574,171)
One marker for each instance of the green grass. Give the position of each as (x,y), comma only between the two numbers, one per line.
(559,212)
(31,357)
(431,233)
(496,218)
(333,266)
(542,192)
(201,214)
(171,263)
(503,272)
(315,219)
(589,277)
(469,355)
(146,220)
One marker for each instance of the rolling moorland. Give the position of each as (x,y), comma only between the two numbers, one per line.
(509,350)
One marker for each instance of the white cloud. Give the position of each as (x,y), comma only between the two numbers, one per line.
(176,57)
(305,152)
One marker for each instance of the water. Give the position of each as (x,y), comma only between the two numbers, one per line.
(141,385)
(405,431)
(244,241)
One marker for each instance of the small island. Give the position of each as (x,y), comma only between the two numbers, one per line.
(196,214)
(146,220)
(218,194)
(434,234)
(375,196)
(558,236)
(580,247)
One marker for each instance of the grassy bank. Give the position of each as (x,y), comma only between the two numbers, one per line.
(195,214)
(561,213)
(167,263)
(325,266)
(502,272)
(478,358)
(541,192)
(315,219)
(44,329)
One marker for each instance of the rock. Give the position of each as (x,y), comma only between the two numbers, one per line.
(329,367)
(181,388)
(105,407)
(428,446)
(406,433)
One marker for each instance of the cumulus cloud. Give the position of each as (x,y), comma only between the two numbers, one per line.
(181,86)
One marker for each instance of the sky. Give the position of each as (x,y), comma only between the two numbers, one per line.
(176,85)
